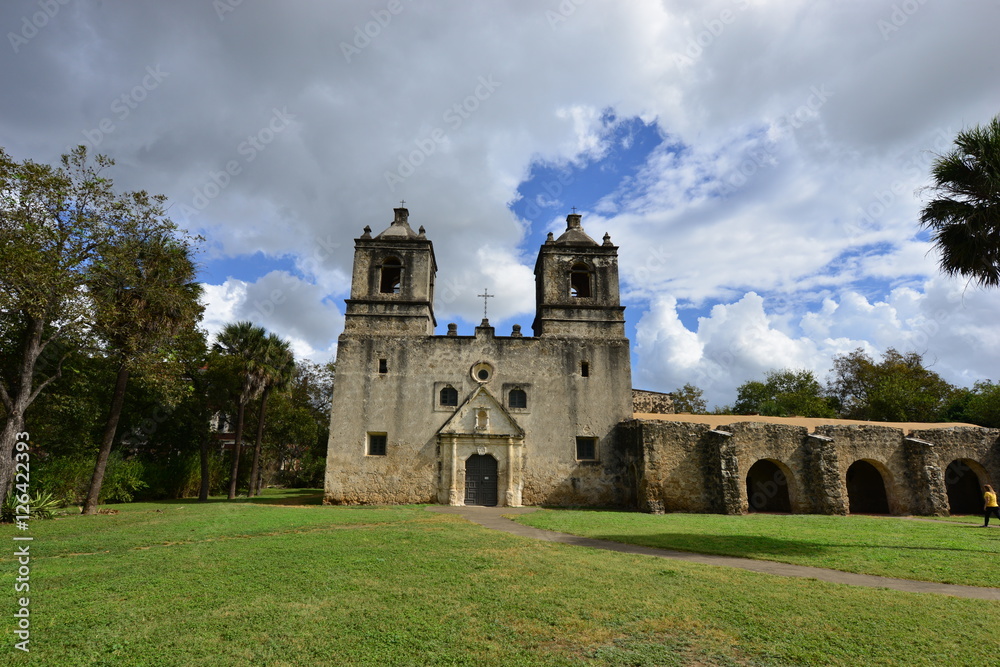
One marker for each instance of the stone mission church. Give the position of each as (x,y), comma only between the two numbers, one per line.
(549,418)
(485,419)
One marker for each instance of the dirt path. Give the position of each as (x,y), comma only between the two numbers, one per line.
(492,517)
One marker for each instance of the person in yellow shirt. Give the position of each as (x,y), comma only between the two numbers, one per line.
(989,505)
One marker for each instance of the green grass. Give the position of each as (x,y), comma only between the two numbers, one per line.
(251,582)
(976,519)
(893,547)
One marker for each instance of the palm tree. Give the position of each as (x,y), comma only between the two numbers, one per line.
(280,367)
(964,218)
(246,344)
(145,296)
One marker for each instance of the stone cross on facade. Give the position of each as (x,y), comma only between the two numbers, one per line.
(484,296)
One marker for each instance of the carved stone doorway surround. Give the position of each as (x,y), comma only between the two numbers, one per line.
(456,448)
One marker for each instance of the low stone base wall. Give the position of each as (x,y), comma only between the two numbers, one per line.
(755,466)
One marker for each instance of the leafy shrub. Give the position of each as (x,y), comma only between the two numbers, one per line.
(181,477)
(122,479)
(68,478)
(307,474)
(41,506)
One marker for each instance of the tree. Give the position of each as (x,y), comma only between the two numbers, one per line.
(784,393)
(898,388)
(964,216)
(279,368)
(245,343)
(294,437)
(145,295)
(689,398)
(983,404)
(54,223)
(219,380)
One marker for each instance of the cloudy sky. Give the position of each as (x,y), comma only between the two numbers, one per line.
(758,163)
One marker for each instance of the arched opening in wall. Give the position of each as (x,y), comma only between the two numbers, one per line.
(481,480)
(448,396)
(866,489)
(580,281)
(767,488)
(517,398)
(391,278)
(964,486)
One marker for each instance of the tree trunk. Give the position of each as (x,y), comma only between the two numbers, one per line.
(117,401)
(237,446)
(203,492)
(17,398)
(254,482)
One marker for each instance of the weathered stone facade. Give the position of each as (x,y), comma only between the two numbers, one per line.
(543,408)
(753,466)
(547,419)
(652,402)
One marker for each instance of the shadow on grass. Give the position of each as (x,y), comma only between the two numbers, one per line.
(270,497)
(754,546)
(729,545)
(299,497)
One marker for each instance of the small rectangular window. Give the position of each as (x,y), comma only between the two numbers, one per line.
(376,444)
(383,366)
(586,449)
(584,369)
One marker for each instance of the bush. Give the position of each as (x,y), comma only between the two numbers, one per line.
(40,506)
(68,479)
(307,474)
(180,477)
(122,479)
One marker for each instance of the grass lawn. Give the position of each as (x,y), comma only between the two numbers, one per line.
(887,546)
(964,518)
(273,583)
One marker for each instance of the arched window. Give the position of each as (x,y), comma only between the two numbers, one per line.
(580,280)
(391,280)
(449,396)
(517,398)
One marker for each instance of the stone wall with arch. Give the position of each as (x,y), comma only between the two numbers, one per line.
(691,467)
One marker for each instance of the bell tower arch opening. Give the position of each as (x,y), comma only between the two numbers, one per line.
(580,281)
(391,276)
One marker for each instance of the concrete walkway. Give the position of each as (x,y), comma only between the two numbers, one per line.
(492,517)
